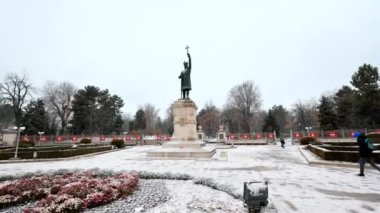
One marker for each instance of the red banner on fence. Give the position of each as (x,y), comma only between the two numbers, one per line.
(298,135)
(102,138)
(270,135)
(43,138)
(233,137)
(245,136)
(168,137)
(158,137)
(332,134)
(258,136)
(138,137)
(127,137)
(59,138)
(74,138)
(115,137)
(314,134)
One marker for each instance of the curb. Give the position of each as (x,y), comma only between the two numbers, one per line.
(58,159)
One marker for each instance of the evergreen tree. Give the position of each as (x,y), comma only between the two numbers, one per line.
(139,122)
(367,96)
(326,114)
(96,111)
(344,101)
(280,114)
(270,124)
(35,119)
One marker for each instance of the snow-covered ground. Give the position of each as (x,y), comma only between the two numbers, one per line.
(294,185)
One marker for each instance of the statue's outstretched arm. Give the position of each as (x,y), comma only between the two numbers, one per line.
(188,55)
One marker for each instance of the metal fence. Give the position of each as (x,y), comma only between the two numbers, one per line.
(41,139)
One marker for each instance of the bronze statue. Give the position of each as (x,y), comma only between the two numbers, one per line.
(185,77)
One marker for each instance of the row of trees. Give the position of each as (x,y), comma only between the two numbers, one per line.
(61,108)
(354,106)
(94,111)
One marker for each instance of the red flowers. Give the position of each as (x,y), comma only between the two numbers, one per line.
(69,192)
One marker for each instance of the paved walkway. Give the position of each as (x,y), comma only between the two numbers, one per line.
(294,185)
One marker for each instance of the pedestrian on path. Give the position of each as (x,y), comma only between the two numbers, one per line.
(365,152)
(282,141)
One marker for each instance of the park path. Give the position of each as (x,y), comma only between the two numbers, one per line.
(294,185)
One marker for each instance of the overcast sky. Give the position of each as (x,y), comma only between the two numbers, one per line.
(293,50)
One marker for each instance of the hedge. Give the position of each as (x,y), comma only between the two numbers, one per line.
(55,153)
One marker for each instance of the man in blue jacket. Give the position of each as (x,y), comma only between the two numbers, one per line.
(365,152)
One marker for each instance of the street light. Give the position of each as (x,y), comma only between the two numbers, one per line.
(308,128)
(19,129)
(40,133)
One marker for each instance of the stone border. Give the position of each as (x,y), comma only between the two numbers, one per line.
(311,158)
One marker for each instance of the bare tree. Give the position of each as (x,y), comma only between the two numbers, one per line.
(209,119)
(58,98)
(14,90)
(127,118)
(151,115)
(246,99)
(304,114)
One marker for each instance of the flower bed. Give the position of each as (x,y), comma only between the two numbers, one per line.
(68,192)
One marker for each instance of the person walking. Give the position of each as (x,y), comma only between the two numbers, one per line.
(282,141)
(365,152)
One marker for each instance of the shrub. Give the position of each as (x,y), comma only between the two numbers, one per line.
(375,137)
(119,143)
(68,192)
(26,144)
(307,140)
(85,141)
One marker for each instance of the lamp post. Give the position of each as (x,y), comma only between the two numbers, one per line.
(308,128)
(125,135)
(19,129)
(40,133)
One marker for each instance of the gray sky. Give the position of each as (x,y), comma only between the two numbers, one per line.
(293,50)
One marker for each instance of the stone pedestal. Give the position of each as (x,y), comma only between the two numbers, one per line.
(222,135)
(184,142)
(9,137)
(185,121)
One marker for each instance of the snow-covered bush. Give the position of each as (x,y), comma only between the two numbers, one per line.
(307,140)
(67,191)
(119,143)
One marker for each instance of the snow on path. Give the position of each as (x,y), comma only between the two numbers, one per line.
(294,185)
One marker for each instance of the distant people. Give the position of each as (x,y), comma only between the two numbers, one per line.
(282,141)
(365,152)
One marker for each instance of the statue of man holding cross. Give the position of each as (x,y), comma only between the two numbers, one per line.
(185,77)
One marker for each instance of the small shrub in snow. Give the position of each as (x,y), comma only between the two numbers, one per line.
(85,141)
(119,143)
(307,140)
(26,144)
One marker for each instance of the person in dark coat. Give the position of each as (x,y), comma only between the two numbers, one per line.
(365,152)
(282,141)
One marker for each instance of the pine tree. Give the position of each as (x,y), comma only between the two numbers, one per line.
(34,119)
(326,114)
(344,100)
(95,111)
(367,96)
(280,114)
(139,122)
(270,124)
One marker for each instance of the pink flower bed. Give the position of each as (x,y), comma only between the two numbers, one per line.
(70,192)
